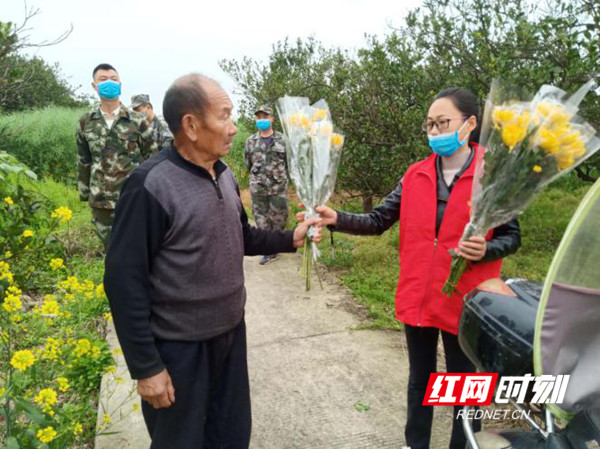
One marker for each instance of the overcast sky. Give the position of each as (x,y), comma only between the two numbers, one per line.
(152,42)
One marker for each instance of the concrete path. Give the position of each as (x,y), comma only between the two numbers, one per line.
(316,381)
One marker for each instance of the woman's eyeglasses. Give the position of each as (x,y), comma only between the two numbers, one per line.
(441,124)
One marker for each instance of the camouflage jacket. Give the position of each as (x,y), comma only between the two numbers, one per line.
(267,165)
(108,156)
(161,133)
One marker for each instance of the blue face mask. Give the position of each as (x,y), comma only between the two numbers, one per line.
(447,144)
(263,124)
(109,89)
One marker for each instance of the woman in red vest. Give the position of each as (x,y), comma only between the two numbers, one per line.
(431,202)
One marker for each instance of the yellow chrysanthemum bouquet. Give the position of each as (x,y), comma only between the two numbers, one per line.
(313,155)
(528,144)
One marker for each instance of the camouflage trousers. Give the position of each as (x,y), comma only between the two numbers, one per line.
(270,211)
(102,219)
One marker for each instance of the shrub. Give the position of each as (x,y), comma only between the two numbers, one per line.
(52,323)
(235,158)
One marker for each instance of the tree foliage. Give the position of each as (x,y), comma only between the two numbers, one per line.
(30,82)
(379,96)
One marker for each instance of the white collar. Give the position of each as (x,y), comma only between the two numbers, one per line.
(113,113)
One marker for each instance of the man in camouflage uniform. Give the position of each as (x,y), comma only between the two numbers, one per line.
(267,163)
(160,130)
(111,141)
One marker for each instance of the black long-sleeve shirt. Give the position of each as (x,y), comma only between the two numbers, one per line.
(174,270)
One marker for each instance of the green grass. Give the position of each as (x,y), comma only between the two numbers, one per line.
(542,228)
(43,139)
(368,266)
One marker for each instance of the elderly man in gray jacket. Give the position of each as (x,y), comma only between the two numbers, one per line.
(175,281)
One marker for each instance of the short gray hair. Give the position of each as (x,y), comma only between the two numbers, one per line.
(186,94)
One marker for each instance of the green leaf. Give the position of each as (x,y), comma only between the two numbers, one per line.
(33,413)
(362,407)
(11,443)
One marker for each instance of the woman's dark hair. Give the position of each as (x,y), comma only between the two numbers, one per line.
(466,102)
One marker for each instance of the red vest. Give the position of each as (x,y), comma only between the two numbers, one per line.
(424,259)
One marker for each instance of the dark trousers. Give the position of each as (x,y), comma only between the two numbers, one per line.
(212,395)
(422,345)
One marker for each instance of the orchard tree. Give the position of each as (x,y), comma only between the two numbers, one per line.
(27,83)
(380,95)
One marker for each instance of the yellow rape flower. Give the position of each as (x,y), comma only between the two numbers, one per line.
(8,200)
(57,264)
(96,352)
(46,435)
(63,213)
(5,272)
(52,349)
(46,398)
(83,347)
(88,285)
(12,303)
(537,169)
(27,233)
(108,316)
(8,255)
(112,369)
(70,284)
(136,407)
(106,419)
(50,306)
(119,380)
(8,276)
(14,290)
(63,384)
(100,291)
(77,429)
(23,359)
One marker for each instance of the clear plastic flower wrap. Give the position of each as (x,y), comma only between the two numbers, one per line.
(528,143)
(313,155)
